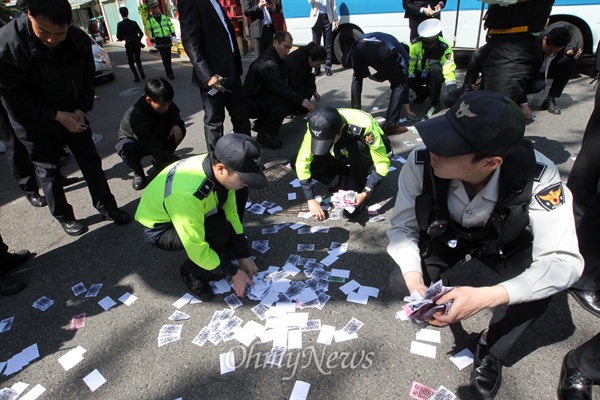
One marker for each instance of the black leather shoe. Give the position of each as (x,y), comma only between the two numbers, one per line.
(436,107)
(256,125)
(587,299)
(328,72)
(317,72)
(550,104)
(573,385)
(11,260)
(139,182)
(199,288)
(142,74)
(37,201)
(74,227)
(136,79)
(171,76)
(10,285)
(119,217)
(269,141)
(486,375)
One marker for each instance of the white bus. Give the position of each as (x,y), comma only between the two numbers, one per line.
(461,20)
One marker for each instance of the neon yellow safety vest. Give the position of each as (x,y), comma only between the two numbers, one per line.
(447,61)
(175,196)
(158,30)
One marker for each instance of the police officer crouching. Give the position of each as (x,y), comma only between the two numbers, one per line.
(345,149)
(191,205)
(479,190)
(431,63)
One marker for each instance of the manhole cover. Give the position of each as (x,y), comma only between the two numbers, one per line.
(280,176)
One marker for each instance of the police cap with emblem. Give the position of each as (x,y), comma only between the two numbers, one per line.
(480,121)
(241,153)
(324,125)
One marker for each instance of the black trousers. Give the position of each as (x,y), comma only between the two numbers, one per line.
(508,61)
(19,164)
(355,169)
(561,69)
(588,235)
(270,111)
(508,322)
(377,56)
(165,56)
(133,52)
(214,112)
(44,151)
(132,153)
(265,40)
(433,80)
(586,358)
(323,28)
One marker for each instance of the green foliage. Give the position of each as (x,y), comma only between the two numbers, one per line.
(144,13)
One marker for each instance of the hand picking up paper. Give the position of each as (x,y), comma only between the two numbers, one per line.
(425,306)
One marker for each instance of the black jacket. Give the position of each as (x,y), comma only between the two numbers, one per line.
(532,14)
(147,127)
(207,43)
(129,31)
(36,81)
(299,74)
(267,75)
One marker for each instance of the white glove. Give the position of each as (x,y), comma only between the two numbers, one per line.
(175,40)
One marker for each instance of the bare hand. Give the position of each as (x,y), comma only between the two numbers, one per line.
(71,121)
(468,301)
(527,114)
(317,96)
(176,134)
(308,105)
(414,281)
(438,7)
(336,24)
(576,55)
(239,282)
(316,210)
(215,83)
(360,197)
(428,11)
(247,265)
(262,3)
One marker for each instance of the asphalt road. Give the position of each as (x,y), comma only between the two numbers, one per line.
(122,343)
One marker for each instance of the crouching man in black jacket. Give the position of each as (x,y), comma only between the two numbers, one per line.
(151,126)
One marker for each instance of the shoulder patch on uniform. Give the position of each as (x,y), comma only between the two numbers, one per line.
(443,45)
(420,156)
(204,189)
(539,170)
(551,197)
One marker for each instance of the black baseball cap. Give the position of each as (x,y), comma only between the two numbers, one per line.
(241,153)
(324,124)
(480,121)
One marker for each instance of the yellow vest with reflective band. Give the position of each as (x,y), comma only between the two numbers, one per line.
(447,61)
(185,208)
(156,30)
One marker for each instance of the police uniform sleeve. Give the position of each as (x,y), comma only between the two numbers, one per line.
(557,263)
(303,161)
(404,231)
(381,162)
(448,68)
(187,216)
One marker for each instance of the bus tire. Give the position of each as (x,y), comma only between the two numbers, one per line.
(343,39)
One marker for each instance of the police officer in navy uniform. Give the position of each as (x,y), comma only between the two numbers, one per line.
(191,206)
(479,190)
(343,148)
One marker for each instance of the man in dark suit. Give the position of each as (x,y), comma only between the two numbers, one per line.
(130,32)
(418,11)
(209,41)
(261,27)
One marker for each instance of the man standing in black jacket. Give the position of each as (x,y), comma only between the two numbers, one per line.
(210,43)
(130,32)
(46,82)
(268,96)
(151,126)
